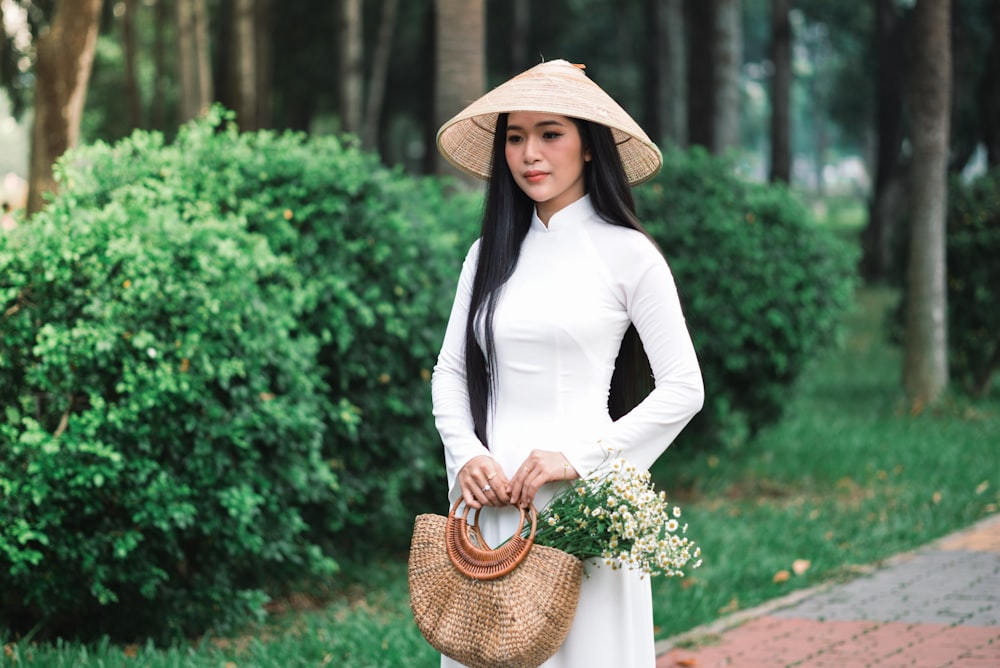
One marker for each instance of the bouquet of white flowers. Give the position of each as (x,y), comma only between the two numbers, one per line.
(615,514)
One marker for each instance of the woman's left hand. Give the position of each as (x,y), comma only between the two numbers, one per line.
(540,467)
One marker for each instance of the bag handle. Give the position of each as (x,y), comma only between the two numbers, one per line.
(481,562)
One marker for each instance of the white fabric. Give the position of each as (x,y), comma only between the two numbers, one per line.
(558,328)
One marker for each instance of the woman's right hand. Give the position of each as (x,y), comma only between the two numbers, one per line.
(483,483)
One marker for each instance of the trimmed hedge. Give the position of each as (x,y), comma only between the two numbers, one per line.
(763,286)
(214,365)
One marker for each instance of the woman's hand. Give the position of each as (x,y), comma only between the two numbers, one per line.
(540,467)
(483,483)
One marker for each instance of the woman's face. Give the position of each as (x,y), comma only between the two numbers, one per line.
(546,157)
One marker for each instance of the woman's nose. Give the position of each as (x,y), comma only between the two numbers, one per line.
(530,149)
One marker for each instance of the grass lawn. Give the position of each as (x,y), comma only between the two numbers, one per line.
(847,478)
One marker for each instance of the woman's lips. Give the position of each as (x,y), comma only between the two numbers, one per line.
(534,176)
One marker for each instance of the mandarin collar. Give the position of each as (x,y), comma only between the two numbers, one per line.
(565,218)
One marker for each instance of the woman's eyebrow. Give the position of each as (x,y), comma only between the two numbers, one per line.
(537,125)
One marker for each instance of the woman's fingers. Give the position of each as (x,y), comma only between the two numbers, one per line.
(483,483)
(540,467)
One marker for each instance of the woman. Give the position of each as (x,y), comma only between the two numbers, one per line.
(561,272)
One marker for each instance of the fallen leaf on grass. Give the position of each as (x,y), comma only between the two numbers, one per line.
(781,576)
(732,606)
(131,651)
(800,566)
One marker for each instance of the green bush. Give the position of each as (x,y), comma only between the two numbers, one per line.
(974,281)
(162,428)
(237,331)
(763,286)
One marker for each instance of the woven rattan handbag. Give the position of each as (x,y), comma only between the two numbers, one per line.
(505,608)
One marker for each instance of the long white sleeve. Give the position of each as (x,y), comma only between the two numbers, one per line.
(449,390)
(653,306)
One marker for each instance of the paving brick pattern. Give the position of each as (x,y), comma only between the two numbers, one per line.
(938,607)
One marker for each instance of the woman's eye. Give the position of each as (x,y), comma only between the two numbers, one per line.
(513,139)
(551,135)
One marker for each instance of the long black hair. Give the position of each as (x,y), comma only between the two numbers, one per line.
(506,219)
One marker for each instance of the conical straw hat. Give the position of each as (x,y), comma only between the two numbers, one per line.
(556,87)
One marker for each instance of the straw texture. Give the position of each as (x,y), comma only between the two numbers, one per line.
(556,87)
(517,620)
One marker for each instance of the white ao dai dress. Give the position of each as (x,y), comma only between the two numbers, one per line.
(559,323)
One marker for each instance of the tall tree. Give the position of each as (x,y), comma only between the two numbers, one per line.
(728,63)
(264,62)
(674,82)
(133,106)
(666,98)
(62,72)
(380,72)
(656,70)
(459,61)
(781,88)
(928,97)
(158,113)
(699,21)
(193,58)
(714,60)
(244,63)
(888,197)
(521,21)
(351,65)
(989,92)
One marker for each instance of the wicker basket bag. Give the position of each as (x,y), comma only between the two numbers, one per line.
(509,607)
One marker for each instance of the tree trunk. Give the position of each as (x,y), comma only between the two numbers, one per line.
(460,61)
(781,87)
(133,105)
(244,63)
(989,93)
(655,70)
(193,59)
(521,18)
(350,65)
(728,63)
(674,82)
(65,55)
(928,96)
(158,113)
(264,42)
(699,21)
(206,93)
(877,239)
(380,71)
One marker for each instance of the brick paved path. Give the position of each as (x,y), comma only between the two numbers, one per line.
(936,607)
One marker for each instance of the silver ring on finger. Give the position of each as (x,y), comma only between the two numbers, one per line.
(487,488)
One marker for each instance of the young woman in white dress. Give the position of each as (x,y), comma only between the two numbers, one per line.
(552,301)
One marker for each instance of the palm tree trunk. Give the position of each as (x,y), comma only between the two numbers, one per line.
(460,60)
(133,105)
(193,58)
(245,63)
(989,93)
(380,71)
(62,73)
(781,87)
(928,94)
(728,63)
(350,65)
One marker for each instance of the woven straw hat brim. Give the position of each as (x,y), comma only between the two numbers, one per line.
(555,87)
